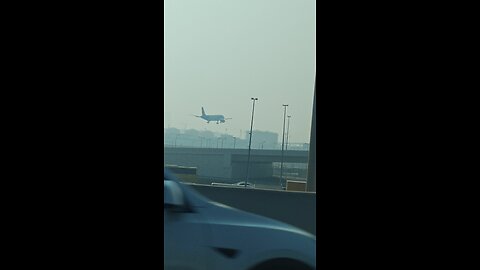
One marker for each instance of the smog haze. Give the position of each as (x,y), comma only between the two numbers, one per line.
(220,53)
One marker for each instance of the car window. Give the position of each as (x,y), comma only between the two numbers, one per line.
(239,91)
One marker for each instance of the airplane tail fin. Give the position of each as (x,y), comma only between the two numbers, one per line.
(203,112)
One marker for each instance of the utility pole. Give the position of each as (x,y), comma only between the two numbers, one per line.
(283,141)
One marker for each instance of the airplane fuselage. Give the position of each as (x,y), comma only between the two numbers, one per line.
(215,118)
(212,117)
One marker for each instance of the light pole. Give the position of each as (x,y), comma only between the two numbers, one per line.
(176,136)
(288,132)
(283,140)
(234,139)
(201,141)
(262,143)
(250,141)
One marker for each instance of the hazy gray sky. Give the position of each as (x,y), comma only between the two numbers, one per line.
(220,53)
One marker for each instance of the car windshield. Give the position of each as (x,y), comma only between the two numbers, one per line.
(239,91)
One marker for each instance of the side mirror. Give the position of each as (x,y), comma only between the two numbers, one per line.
(172,195)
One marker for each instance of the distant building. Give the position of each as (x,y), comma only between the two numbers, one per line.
(262,139)
(206,139)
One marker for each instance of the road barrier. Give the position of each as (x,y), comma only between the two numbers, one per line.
(295,208)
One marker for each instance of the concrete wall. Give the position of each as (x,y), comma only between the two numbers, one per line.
(295,208)
(256,170)
(214,165)
(229,164)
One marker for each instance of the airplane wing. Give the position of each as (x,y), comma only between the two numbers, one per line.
(196,115)
(227,118)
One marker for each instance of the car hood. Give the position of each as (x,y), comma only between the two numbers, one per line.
(255,238)
(220,214)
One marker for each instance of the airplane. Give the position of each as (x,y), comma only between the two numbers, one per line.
(216,118)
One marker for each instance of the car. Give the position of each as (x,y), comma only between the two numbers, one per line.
(242,184)
(239,184)
(222,184)
(200,234)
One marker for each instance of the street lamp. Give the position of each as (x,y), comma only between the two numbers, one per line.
(234,139)
(176,136)
(250,141)
(201,141)
(220,139)
(283,140)
(288,132)
(262,143)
